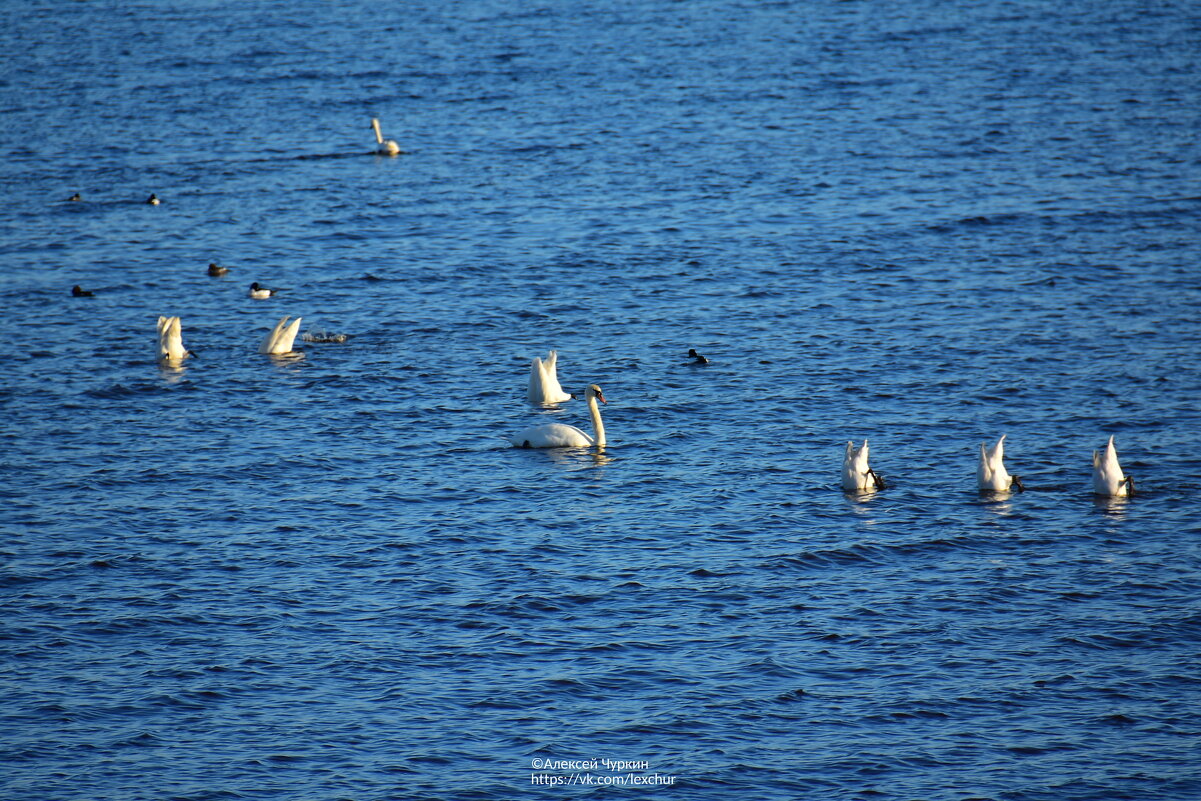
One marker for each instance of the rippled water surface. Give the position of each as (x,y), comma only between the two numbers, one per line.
(328,576)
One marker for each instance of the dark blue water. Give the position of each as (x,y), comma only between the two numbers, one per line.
(329,577)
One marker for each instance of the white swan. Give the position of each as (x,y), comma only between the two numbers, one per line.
(991,475)
(1108,478)
(856,475)
(558,435)
(387,147)
(170,341)
(544,381)
(280,339)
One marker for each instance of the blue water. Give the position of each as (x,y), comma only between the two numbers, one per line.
(330,577)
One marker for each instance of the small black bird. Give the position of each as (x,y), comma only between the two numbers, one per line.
(74,197)
(696,357)
(216,270)
(153,200)
(79,292)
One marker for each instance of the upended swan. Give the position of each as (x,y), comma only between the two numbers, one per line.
(544,381)
(991,475)
(558,435)
(387,147)
(170,341)
(280,340)
(1108,478)
(856,475)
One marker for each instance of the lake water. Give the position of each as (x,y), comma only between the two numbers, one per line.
(330,577)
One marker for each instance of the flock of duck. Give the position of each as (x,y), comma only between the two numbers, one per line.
(544,389)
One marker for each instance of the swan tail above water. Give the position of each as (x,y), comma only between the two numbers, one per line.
(856,473)
(990,471)
(281,338)
(544,381)
(170,340)
(1108,478)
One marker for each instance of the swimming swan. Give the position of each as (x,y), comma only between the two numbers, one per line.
(856,475)
(387,147)
(544,381)
(280,339)
(991,475)
(170,341)
(558,435)
(1108,478)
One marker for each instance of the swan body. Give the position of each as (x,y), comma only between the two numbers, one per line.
(217,270)
(1108,478)
(280,340)
(558,435)
(991,475)
(387,147)
(856,474)
(170,341)
(544,381)
(260,292)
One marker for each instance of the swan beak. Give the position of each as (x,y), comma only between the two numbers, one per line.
(600,397)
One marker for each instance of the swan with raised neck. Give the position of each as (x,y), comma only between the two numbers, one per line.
(559,435)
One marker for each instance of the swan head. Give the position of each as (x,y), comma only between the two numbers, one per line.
(594,391)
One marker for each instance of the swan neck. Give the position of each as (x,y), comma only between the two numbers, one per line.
(597,425)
